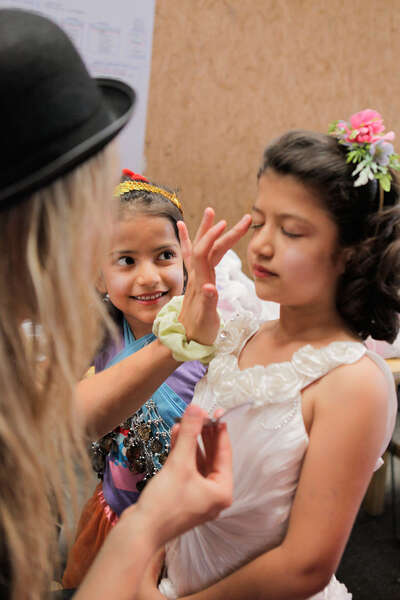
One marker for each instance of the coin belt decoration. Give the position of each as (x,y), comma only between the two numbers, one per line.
(146,444)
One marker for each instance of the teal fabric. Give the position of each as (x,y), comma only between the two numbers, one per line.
(169,404)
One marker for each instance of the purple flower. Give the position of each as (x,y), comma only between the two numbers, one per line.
(381,151)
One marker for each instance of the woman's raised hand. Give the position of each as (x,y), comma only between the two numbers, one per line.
(199,310)
(187,491)
(192,487)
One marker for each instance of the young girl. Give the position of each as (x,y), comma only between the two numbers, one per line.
(142,272)
(317,408)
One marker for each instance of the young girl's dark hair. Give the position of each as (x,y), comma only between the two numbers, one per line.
(150,201)
(368,291)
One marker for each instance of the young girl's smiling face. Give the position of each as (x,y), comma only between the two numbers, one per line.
(143,270)
(293,254)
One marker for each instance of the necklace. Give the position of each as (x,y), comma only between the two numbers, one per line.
(145,446)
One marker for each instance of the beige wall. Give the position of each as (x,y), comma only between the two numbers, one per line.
(229,75)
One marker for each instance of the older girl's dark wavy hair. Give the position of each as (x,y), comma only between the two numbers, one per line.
(368,291)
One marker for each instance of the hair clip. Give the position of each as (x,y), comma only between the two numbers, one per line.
(368,147)
(134,176)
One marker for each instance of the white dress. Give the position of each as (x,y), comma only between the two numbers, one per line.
(269,440)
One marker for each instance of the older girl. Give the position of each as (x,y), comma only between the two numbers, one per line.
(317,408)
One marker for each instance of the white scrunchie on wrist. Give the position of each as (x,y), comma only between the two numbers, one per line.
(172,334)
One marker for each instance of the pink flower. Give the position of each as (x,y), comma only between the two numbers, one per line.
(389,136)
(343,126)
(364,127)
(367,127)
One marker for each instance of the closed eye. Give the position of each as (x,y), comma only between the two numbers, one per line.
(290,234)
(256,225)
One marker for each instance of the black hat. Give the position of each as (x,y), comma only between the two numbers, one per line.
(53,115)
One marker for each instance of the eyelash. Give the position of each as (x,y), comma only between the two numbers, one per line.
(287,233)
(170,252)
(291,235)
(125,258)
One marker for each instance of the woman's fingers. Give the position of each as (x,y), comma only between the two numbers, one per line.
(190,496)
(174,434)
(190,427)
(221,466)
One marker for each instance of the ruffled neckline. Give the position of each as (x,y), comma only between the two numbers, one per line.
(277,381)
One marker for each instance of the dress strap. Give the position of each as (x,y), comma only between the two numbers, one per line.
(312,363)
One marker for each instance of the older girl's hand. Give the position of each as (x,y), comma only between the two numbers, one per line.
(199,310)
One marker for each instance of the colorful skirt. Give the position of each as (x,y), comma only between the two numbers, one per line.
(96,522)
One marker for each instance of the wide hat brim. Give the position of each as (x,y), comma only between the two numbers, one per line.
(118,101)
(54,114)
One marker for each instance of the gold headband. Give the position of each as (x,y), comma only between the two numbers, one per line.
(128,186)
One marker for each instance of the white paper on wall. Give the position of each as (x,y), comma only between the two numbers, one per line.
(115,39)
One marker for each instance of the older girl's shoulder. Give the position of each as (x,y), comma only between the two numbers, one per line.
(360,391)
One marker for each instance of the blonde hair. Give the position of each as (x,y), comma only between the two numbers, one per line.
(49,248)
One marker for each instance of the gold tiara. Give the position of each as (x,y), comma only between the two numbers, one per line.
(127,186)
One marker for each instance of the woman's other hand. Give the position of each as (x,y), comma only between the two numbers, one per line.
(187,491)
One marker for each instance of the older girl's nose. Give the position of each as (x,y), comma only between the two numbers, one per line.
(262,244)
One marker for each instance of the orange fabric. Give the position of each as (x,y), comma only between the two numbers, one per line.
(96,521)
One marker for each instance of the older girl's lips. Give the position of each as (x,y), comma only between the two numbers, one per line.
(261,272)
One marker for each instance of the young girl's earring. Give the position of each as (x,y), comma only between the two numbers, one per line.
(106,298)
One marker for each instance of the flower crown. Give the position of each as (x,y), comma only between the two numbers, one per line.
(140,183)
(368,147)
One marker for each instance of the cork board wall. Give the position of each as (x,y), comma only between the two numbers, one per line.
(230,75)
